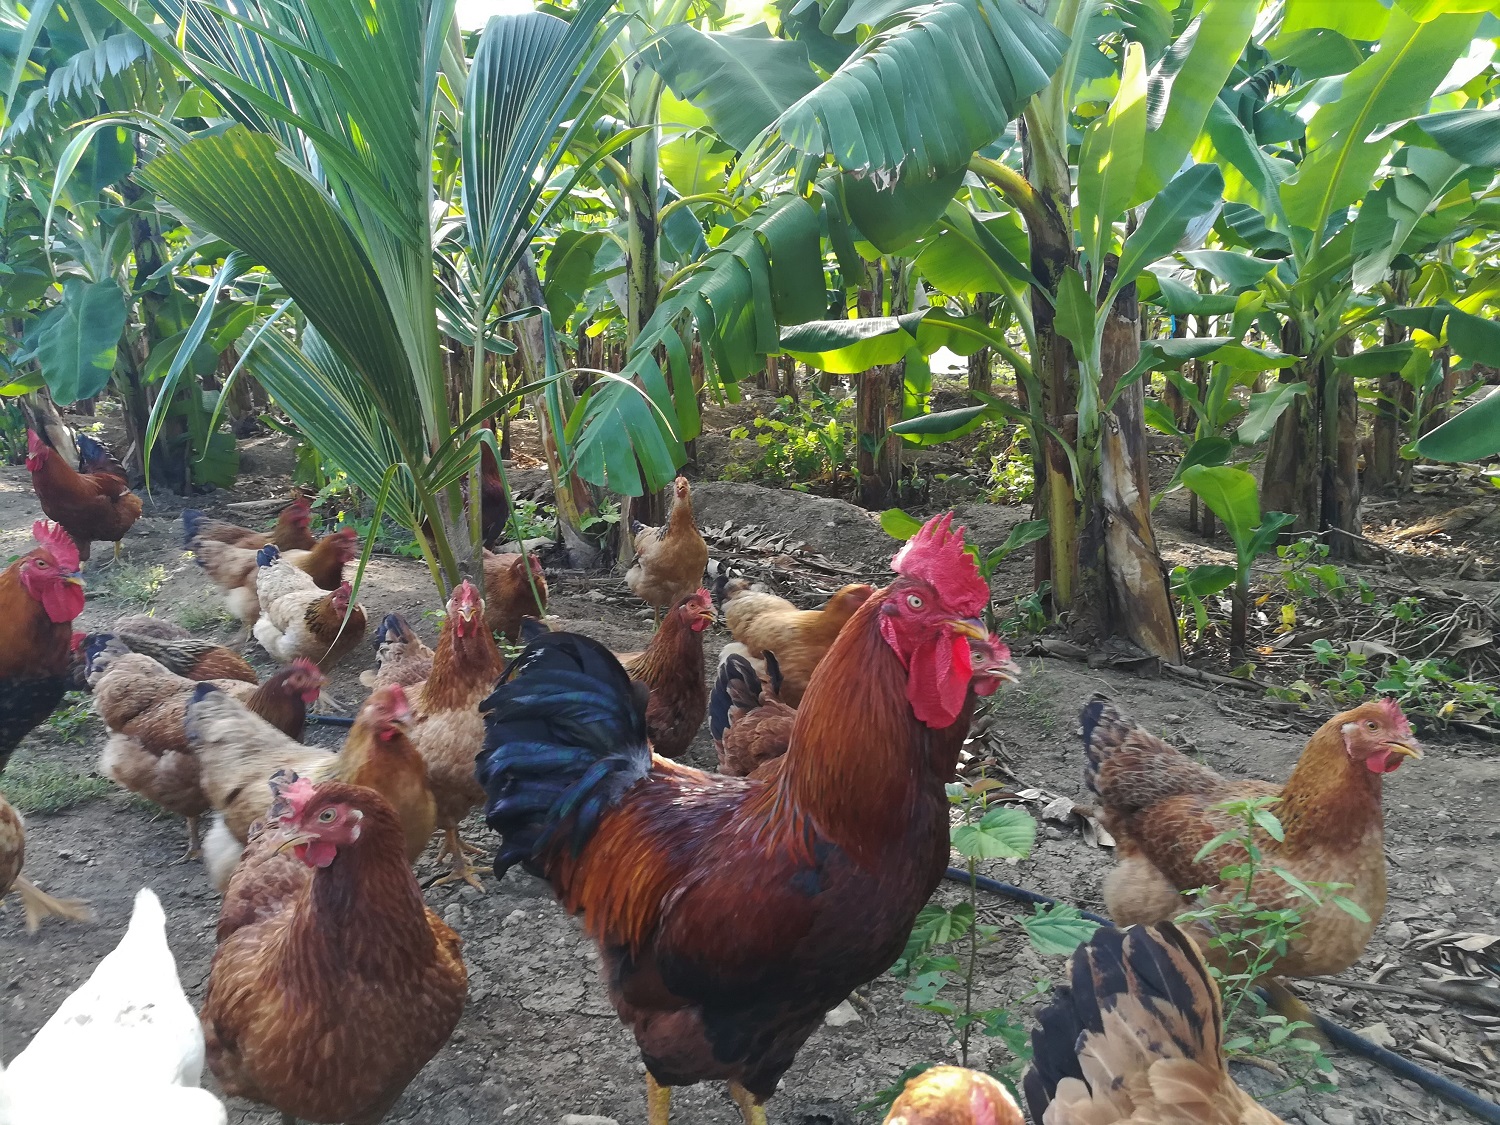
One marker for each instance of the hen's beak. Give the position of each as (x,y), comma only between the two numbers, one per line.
(1405,749)
(293,840)
(971,627)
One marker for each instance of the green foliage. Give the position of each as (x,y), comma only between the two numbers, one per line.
(34,784)
(801,442)
(68,721)
(135,584)
(941,958)
(1247,938)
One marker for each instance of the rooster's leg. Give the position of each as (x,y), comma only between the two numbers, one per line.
(118,550)
(658,1103)
(462,870)
(751,1110)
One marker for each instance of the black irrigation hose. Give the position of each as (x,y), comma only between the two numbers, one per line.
(331,720)
(1399,1065)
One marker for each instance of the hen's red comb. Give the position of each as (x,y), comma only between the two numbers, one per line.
(1396,716)
(56,541)
(466,592)
(936,555)
(393,698)
(289,794)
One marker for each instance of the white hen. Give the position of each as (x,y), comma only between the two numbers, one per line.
(134,1024)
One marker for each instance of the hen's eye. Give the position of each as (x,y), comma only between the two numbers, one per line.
(326,816)
(1373,725)
(914,600)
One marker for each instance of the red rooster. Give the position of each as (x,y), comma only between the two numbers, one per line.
(40,595)
(732,913)
(90,506)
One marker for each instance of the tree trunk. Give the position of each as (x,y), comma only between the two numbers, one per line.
(146,246)
(1384,465)
(1437,408)
(575,502)
(981,375)
(877,407)
(1339,511)
(1139,598)
(1289,483)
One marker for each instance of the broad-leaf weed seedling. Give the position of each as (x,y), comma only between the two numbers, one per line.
(941,960)
(1247,939)
(800,442)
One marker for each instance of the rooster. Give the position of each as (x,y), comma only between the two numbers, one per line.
(671,668)
(1137,1037)
(144,708)
(752,726)
(732,913)
(510,593)
(670,560)
(764,622)
(292,531)
(88,506)
(333,984)
(1162,808)
(40,595)
(449,728)
(234,570)
(237,751)
(300,618)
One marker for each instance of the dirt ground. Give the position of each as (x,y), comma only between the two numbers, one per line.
(538,1039)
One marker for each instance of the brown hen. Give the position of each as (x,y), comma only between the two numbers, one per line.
(333,984)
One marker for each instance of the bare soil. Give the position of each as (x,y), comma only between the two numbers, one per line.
(538,1039)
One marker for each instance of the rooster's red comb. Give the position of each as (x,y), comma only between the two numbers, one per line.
(936,555)
(56,541)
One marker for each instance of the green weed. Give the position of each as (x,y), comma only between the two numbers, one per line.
(1250,938)
(134,583)
(35,784)
(941,961)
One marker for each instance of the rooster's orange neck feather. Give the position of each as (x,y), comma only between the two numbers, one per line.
(860,762)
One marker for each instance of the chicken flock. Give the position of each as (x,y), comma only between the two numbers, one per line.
(334,983)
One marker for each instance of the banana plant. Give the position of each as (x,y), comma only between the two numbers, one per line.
(1232,495)
(1356,71)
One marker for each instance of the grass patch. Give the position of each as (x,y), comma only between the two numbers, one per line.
(44,785)
(133,583)
(197,619)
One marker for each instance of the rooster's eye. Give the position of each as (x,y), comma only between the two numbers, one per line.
(326,816)
(914,600)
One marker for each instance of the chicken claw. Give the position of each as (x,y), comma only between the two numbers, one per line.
(457,850)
